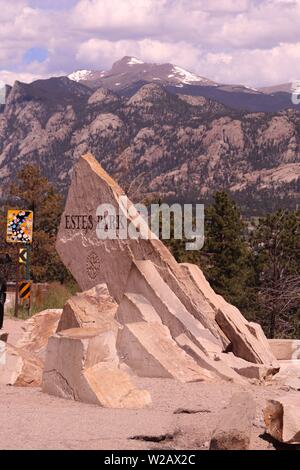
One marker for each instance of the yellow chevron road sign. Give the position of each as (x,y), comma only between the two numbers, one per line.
(23,256)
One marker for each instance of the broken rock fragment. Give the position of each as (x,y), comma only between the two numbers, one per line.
(145,280)
(135,308)
(38,330)
(19,367)
(233,431)
(247,369)
(82,364)
(211,362)
(149,350)
(285,349)
(282,418)
(91,309)
(248,340)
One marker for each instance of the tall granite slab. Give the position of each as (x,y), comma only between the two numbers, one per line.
(93,261)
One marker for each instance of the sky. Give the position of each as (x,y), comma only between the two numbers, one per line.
(253,42)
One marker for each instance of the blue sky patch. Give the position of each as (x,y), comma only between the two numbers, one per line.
(36,54)
(52,4)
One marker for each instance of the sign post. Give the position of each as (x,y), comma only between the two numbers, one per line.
(17,291)
(20,230)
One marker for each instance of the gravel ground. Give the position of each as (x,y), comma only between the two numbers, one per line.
(182,416)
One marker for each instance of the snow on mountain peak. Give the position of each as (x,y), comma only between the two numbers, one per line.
(134,61)
(186,76)
(80,75)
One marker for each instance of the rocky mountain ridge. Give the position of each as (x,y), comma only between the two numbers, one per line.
(179,147)
(130,73)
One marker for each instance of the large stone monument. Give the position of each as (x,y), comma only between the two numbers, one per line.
(140,313)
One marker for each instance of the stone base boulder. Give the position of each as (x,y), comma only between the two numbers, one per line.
(285,349)
(82,364)
(113,388)
(89,309)
(22,365)
(19,367)
(149,350)
(289,375)
(244,344)
(282,418)
(247,369)
(233,431)
(37,331)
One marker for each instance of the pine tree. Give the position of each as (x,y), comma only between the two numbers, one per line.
(227,255)
(36,193)
(276,253)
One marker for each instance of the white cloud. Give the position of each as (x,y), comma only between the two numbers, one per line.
(9,77)
(119,15)
(256,67)
(251,41)
(226,6)
(96,51)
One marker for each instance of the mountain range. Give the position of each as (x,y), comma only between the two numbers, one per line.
(156,141)
(129,74)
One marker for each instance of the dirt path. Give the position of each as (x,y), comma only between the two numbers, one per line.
(182,416)
(33,420)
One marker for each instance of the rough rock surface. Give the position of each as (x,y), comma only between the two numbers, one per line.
(282,418)
(247,369)
(144,314)
(209,360)
(247,339)
(149,350)
(82,364)
(285,349)
(93,261)
(134,308)
(19,367)
(233,431)
(245,345)
(37,331)
(90,309)
(145,280)
(113,388)
(166,146)
(289,375)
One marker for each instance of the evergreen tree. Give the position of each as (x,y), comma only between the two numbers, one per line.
(226,253)
(276,254)
(36,193)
